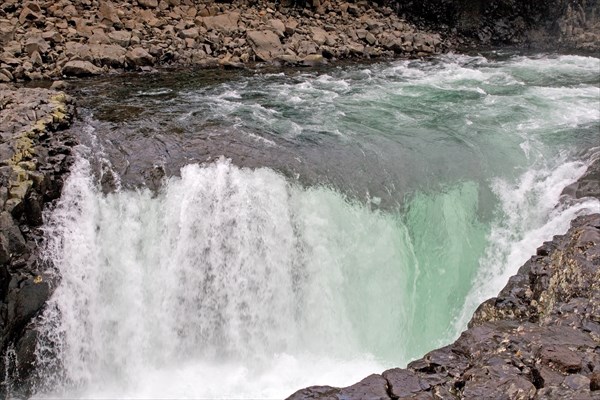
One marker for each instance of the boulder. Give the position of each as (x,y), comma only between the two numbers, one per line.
(36,44)
(139,57)
(148,3)
(108,54)
(277,26)
(226,23)
(108,12)
(7,31)
(266,44)
(122,38)
(80,68)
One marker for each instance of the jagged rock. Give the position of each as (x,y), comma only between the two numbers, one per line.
(122,38)
(108,12)
(7,31)
(108,54)
(266,44)
(139,57)
(80,68)
(148,3)
(226,23)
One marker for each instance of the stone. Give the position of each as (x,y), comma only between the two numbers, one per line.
(36,44)
(139,57)
(312,60)
(108,54)
(108,12)
(7,31)
(122,38)
(403,383)
(225,23)
(80,68)
(148,3)
(277,26)
(266,44)
(319,36)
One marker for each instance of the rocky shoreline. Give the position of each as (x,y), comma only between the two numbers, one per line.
(47,40)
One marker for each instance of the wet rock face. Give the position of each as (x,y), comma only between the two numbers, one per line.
(34,156)
(538,339)
(550,24)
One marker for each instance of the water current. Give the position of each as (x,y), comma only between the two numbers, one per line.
(247,234)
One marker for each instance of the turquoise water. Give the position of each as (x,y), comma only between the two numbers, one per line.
(312,226)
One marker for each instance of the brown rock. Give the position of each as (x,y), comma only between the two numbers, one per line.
(122,38)
(312,60)
(226,23)
(36,44)
(319,36)
(266,44)
(148,3)
(108,12)
(277,26)
(561,358)
(80,68)
(7,31)
(108,54)
(139,57)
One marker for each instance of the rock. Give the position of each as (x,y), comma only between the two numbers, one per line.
(108,54)
(403,383)
(108,12)
(80,68)
(36,44)
(225,23)
(5,76)
(312,60)
(148,3)
(588,185)
(139,57)
(266,44)
(59,85)
(373,387)
(7,31)
(319,36)
(122,38)
(277,26)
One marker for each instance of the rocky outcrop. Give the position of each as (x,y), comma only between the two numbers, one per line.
(538,339)
(553,24)
(47,40)
(34,156)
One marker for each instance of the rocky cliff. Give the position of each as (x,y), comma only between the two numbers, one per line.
(554,24)
(538,339)
(34,156)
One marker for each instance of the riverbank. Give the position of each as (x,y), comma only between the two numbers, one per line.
(44,40)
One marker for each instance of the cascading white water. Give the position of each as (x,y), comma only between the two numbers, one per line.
(226,269)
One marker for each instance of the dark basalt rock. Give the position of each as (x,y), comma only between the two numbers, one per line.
(34,154)
(538,339)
